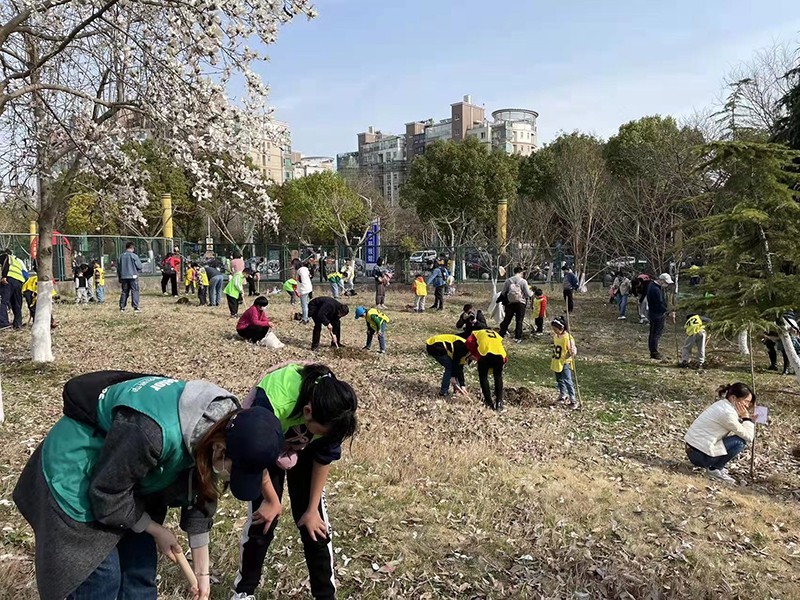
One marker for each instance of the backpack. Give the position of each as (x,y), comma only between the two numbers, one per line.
(166,267)
(514,294)
(82,393)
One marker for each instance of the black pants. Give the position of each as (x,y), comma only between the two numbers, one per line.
(491,362)
(253,333)
(11,299)
(201,294)
(255,543)
(569,299)
(438,297)
(656,329)
(233,304)
(337,331)
(172,279)
(515,309)
(251,287)
(539,324)
(772,350)
(380,294)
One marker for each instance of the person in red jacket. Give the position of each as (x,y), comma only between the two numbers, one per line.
(539,310)
(254,324)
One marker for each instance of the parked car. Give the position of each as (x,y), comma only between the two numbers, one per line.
(622,262)
(423,259)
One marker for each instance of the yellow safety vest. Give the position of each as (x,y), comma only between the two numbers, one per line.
(561,346)
(448,341)
(373,312)
(15,269)
(421,288)
(694,325)
(489,342)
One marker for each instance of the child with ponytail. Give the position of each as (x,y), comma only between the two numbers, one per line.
(317,413)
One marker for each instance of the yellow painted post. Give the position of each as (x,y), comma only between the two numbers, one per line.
(33,231)
(502,225)
(166,207)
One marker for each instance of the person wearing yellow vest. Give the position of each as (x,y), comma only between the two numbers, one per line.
(30,292)
(234,292)
(420,289)
(442,348)
(12,276)
(376,323)
(486,348)
(202,283)
(696,335)
(562,363)
(130,446)
(99,282)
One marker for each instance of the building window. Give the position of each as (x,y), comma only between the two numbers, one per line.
(483,135)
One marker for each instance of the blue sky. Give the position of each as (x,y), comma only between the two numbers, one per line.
(582,64)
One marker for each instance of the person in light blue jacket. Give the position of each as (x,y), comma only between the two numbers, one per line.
(438,279)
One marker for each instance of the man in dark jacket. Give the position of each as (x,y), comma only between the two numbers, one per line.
(438,279)
(658,308)
(570,284)
(128,268)
(326,311)
(516,294)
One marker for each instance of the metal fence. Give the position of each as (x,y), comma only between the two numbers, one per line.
(274,262)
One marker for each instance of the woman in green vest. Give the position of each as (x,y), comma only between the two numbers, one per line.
(97,489)
(234,292)
(317,413)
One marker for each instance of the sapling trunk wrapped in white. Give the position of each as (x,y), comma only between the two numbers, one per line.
(41,342)
(744,348)
(2,411)
(791,353)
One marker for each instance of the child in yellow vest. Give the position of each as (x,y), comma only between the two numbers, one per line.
(376,323)
(202,283)
(420,289)
(190,281)
(486,348)
(695,328)
(562,363)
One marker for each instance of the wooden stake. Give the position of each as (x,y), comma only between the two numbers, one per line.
(753,389)
(186,569)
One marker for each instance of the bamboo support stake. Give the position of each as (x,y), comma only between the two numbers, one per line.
(753,389)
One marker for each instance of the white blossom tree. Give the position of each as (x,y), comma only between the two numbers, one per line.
(80,78)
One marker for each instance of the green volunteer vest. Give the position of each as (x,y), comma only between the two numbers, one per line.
(232,289)
(282,387)
(72,449)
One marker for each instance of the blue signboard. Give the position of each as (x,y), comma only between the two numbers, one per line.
(373,242)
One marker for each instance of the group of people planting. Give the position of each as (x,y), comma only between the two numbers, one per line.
(131,445)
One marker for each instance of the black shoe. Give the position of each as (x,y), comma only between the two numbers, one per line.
(772,368)
(500,407)
(655,356)
(315,348)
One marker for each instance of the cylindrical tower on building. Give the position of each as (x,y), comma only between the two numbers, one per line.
(514,130)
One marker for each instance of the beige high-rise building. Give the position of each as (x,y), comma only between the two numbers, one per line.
(271,152)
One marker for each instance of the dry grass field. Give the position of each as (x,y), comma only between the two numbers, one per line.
(445,499)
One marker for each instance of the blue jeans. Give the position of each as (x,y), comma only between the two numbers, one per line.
(564,384)
(381,340)
(128,573)
(733,444)
(130,287)
(447,363)
(215,290)
(100,294)
(335,289)
(304,306)
(622,300)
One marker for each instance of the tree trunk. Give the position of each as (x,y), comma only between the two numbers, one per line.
(41,342)
(791,353)
(744,348)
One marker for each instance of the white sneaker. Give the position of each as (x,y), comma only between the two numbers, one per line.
(242,596)
(721,475)
(620,318)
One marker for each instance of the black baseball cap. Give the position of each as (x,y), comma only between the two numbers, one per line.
(253,442)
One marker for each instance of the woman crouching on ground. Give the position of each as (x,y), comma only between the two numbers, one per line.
(97,489)
(722,431)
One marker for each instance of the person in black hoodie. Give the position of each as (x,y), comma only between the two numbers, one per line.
(328,312)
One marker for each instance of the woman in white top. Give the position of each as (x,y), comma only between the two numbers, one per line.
(304,288)
(722,431)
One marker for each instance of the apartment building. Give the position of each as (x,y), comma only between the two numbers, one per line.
(385,158)
(303,166)
(271,151)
